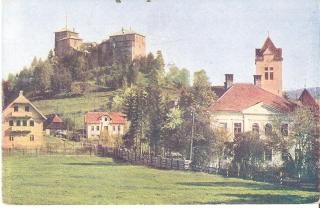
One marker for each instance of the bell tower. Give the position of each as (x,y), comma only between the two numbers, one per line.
(269,65)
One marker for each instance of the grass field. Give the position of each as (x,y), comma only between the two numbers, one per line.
(75,107)
(94,180)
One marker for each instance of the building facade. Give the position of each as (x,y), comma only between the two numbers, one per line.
(22,124)
(104,124)
(269,67)
(125,44)
(66,42)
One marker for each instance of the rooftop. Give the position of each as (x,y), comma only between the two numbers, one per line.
(242,96)
(94,117)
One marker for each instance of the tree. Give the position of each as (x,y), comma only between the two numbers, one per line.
(42,76)
(248,152)
(178,77)
(305,133)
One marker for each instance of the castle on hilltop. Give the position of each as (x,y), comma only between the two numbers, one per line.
(125,44)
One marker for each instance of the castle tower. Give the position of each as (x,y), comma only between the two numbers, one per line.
(127,44)
(269,65)
(66,41)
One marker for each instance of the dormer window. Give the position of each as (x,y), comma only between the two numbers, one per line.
(26,108)
(15,108)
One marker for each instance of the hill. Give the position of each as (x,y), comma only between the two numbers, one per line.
(75,107)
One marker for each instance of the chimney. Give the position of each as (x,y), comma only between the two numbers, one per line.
(229,81)
(21,93)
(257,80)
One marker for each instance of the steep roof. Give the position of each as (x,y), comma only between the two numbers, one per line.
(21,99)
(307,99)
(241,96)
(94,117)
(269,44)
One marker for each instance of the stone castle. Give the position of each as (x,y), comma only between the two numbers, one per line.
(125,44)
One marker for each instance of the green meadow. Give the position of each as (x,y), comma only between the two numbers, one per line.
(75,107)
(97,180)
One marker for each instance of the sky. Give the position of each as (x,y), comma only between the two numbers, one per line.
(215,35)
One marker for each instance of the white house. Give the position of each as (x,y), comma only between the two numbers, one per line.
(109,123)
(247,107)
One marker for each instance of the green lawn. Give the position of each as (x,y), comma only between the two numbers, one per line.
(94,180)
(75,108)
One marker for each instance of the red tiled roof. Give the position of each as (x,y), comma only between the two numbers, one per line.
(241,96)
(269,44)
(94,117)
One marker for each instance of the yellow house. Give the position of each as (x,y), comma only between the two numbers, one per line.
(22,124)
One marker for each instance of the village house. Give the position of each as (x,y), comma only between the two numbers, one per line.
(54,125)
(22,124)
(99,124)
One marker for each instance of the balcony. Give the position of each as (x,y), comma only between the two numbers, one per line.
(21,128)
(21,114)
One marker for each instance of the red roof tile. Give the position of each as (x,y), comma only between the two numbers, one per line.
(242,96)
(94,117)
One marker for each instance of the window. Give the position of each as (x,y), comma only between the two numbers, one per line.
(255,128)
(105,119)
(26,108)
(97,128)
(11,138)
(15,108)
(285,155)
(237,128)
(284,129)
(24,123)
(119,128)
(114,128)
(18,123)
(268,154)
(223,126)
(92,128)
(31,123)
(298,154)
(268,73)
(268,129)
(31,138)
(11,123)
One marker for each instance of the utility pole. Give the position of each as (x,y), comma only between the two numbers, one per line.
(192,132)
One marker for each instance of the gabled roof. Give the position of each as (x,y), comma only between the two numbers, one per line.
(94,117)
(307,99)
(54,122)
(23,100)
(269,44)
(241,96)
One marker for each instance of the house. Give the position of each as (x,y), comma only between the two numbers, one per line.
(22,124)
(99,124)
(247,107)
(54,124)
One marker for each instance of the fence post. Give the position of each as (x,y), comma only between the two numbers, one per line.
(281,177)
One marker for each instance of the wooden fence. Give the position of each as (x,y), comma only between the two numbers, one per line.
(147,160)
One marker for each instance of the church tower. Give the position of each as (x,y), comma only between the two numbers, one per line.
(269,66)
